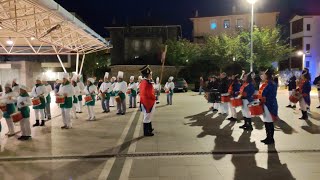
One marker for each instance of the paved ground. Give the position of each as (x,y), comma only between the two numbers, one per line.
(190,143)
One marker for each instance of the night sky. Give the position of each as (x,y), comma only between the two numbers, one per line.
(101,13)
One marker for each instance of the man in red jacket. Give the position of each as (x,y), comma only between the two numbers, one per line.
(147,100)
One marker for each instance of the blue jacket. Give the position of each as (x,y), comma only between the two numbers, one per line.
(270,94)
(306,88)
(235,89)
(249,91)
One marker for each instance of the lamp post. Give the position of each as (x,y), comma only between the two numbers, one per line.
(252,2)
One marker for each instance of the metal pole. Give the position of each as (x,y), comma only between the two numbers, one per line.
(251,44)
(64,69)
(77,63)
(84,55)
(303,61)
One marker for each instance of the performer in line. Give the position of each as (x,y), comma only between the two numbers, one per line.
(157,89)
(112,94)
(268,97)
(247,91)
(138,91)
(169,88)
(120,89)
(91,90)
(223,89)
(233,90)
(81,86)
(23,103)
(148,100)
(10,100)
(105,92)
(15,87)
(76,93)
(133,88)
(292,86)
(316,82)
(39,91)
(304,89)
(307,76)
(67,91)
(48,98)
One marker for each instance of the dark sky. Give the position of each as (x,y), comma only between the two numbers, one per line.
(101,13)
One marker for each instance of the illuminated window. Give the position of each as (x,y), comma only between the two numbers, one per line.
(147,44)
(226,24)
(213,25)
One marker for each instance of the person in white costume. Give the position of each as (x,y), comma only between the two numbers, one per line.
(91,90)
(75,100)
(39,91)
(133,87)
(23,103)
(169,87)
(105,93)
(120,89)
(48,98)
(112,94)
(9,99)
(157,89)
(81,87)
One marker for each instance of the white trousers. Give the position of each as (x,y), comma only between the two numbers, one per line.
(39,112)
(79,108)
(25,127)
(91,112)
(147,117)
(245,109)
(112,101)
(303,104)
(65,112)
(216,106)
(10,125)
(266,116)
(74,110)
(223,108)
(233,111)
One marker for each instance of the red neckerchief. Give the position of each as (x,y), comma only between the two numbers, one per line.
(230,90)
(243,87)
(261,89)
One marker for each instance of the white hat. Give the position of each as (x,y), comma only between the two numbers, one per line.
(8,84)
(24,87)
(74,78)
(65,76)
(14,80)
(114,78)
(140,77)
(171,78)
(157,80)
(39,78)
(120,74)
(106,75)
(91,80)
(131,77)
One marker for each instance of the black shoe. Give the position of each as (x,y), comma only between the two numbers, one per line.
(130,107)
(64,127)
(230,118)
(43,123)
(22,138)
(37,123)
(289,106)
(104,111)
(118,113)
(318,107)
(157,102)
(265,140)
(248,128)
(123,113)
(49,118)
(215,110)
(269,141)
(107,111)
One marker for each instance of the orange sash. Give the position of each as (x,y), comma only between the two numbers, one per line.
(261,89)
(243,94)
(230,90)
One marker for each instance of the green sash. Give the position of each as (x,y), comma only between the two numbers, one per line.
(67,103)
(75,100)
(48,98)
(107,96)
(80,97)
(11,108)
(25,111)
(133,93)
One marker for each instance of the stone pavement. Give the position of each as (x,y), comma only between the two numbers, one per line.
(190,143)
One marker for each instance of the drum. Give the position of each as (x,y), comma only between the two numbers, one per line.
(225,98)
(236,102)
(129,91)
(60,99)
(88,99)
(3,107)
(16,117)
(295,97)
(36,102)
(118,99)
(167,91)
(102,95)
(256,109)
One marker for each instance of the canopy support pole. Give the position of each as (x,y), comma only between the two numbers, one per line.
(83,57)
(77,63)
(55,49)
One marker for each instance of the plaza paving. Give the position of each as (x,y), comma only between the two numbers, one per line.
(190,143)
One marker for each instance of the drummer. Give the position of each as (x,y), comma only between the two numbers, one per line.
(66,90)
(105,91)
(292,86)
(304,89)
(9,99)
(112,94)
(23,103)
(91,90)
(233,90)
(223,89)
(39,91)
(81,87)
(157,88)
(268,96)
(48,98)
(133,87)
(246,92)
(120,89)
(169,87)
(76,92)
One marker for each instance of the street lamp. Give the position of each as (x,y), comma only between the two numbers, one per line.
(252,2)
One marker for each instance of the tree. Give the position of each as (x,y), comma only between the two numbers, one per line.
(96,64)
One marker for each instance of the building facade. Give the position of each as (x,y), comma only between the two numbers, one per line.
(134,45)
(231,24)
(305,38)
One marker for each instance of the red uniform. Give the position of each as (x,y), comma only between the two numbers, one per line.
(147,95)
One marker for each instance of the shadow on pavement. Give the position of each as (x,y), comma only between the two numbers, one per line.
(311,128)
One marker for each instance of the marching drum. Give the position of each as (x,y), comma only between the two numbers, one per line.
(60,99)
(102,95)
(3,107)
(36,101)
(295,97)
(88,99)
(118,99)
(236,102)
(167,91)
(225,98)
(16,117)
(129,91)
(256,109)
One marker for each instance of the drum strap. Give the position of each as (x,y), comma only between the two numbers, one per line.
(261,89)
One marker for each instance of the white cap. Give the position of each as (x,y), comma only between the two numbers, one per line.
(120,74)
(24,87)
(171,78)
(74,78)
(157,80)
(131,77)
(39,78)
(8,84)
(114,78)
(65,76)
(91,80)
(106,75)
(140,77)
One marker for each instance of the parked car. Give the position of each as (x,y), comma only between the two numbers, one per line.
(180,85)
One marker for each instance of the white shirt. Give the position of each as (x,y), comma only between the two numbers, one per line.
(16,90)
(157,87)
(66,89)
(133,86)
(48,89)
(25,100)
(81,87)
(121,86)
(76,91)
(106,87)
(9,98)
(169,86)
(38,91)
(92,90)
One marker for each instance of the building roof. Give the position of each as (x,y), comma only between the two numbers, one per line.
(235,14)
(37,27)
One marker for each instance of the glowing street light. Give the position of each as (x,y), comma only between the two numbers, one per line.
(9,41)
(252,2)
